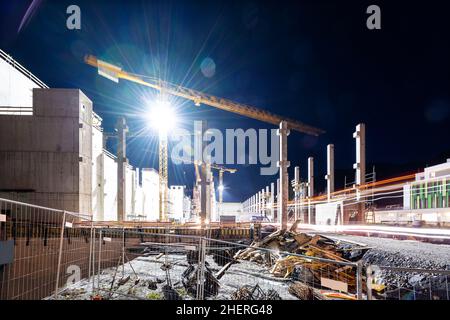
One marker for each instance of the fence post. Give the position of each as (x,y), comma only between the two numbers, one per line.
(99,258)
(61,242)
(201,269)
(91,255)
(446,286)
(369,281)
(359,289)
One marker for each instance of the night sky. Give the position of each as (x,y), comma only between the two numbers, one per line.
(314,61)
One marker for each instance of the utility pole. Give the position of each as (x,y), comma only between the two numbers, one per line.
(283,164)
(122,129)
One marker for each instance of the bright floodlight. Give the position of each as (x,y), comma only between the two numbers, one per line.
(221,187)
(162,117)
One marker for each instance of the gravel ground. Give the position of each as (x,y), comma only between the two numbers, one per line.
(408,254)
(403,253)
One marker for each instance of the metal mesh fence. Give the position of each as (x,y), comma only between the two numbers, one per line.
(140,265)
(248,273)
(53,254)
(32,239)
(132,264)
(407,283)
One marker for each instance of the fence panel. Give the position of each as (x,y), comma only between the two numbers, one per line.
(407,283)
(261,274)
(137,264)
(32,238)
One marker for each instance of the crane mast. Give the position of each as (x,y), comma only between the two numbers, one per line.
(163,178)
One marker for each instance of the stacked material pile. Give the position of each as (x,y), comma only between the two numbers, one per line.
(305,257)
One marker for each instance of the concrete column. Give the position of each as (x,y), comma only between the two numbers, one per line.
(310,189)
(296,191)
(272,201)
(258,203)
(278,209)
(330,171)
(263,203)
(303,194)
(208,188)
(360,165)
(204,188)
(122,129)
(283,164)
(252,206)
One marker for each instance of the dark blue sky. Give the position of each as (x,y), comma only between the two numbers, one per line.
(311,60)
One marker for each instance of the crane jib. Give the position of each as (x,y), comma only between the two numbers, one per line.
(113,72)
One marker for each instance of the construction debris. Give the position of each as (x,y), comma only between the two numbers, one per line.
(170,293)
(305,292)
(152,285)
(189,279)
(301,268)
(190,275)
(254,293)
(222,256)
(121,282)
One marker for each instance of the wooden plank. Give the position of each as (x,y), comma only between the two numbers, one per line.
(334,284)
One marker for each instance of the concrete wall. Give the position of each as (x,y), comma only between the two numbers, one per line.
(16,90)
(46,158)
(110,187)
(176,202)
(187,208)
(150,194)
(329,213)
(233,209)
(97,174)
(129,192)
(55,156)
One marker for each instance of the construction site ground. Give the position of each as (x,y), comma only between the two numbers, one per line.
(148,269)
(153,277)
(402,253)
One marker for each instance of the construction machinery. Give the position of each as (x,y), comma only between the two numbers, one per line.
(115,73)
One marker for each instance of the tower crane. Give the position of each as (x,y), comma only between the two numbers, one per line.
(115,73)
